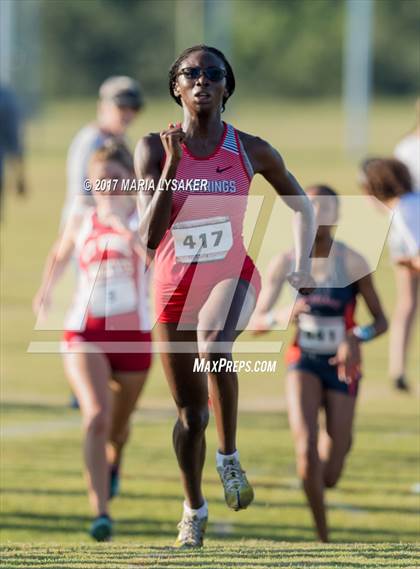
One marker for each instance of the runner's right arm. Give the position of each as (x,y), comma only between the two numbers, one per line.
(57,260)
(155,206)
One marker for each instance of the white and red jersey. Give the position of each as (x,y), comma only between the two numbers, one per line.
(205,237)
(112,290)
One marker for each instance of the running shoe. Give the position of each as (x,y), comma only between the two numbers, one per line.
(191,532)
(114,482)
(238,491)
(101,528)
(401,384)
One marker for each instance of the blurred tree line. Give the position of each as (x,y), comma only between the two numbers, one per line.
(278,47)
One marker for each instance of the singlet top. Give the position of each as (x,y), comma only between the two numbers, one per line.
(332,309)
(205,236)
(112,291)
(408,151)
(404,235)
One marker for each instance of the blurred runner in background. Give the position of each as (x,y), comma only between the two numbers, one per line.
(408,151)
(120,100)
(324,361)
(107,340)
(390,182)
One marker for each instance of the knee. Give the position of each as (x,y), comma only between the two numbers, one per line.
(193,421)
(330,480)
(119,438)
(334,467)
(332,473)
(97,423)
(307,458)
(214,345)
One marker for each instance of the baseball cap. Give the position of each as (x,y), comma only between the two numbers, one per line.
(123,91)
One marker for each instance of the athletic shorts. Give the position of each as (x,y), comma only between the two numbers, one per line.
(318,365)
(126,350)
(186,301)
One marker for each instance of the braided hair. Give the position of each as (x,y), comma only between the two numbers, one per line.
(173,71)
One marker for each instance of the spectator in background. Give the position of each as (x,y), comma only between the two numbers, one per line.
(408,151)
(11,140)
(120,99)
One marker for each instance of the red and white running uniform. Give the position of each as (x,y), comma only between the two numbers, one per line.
(111,304)
(204,242)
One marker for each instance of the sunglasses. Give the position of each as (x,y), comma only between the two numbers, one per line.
(213,74)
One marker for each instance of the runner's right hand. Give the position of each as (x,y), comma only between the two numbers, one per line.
(171,139)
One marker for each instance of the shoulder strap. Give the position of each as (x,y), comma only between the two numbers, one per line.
(230,142)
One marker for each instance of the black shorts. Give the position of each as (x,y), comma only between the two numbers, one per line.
(327,373)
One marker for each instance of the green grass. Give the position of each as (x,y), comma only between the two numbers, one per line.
(249,554)
(373,513)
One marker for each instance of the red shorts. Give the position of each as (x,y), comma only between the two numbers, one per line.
(186,301)
(126,350)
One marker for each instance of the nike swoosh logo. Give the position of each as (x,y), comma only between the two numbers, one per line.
(220,170)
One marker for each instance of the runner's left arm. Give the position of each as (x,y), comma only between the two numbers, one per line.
(268,162)
(265,316)
(357,265)
(348,357)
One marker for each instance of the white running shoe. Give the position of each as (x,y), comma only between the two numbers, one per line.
(238,491)
(191,531)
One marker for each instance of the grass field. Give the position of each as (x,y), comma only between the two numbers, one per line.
(374,512)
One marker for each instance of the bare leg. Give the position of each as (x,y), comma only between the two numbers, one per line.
(402,319)
(127,388)
(335,443)
(304,398)
(88,374)
(221,323)
(189,390)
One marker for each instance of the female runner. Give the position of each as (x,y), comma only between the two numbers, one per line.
(390,182)
(324,360)
(109,316)
(206,286)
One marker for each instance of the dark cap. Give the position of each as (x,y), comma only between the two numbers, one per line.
(123,91)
